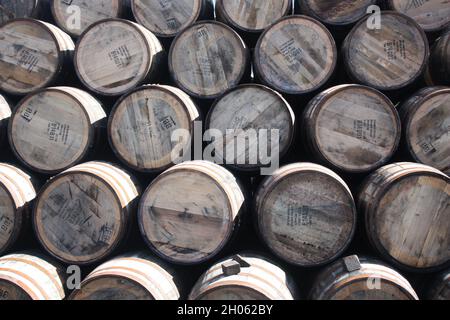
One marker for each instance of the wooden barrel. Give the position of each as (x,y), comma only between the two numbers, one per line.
(352,128)
(17,192)
(190,212)
(75,16)
(240,115)
(56,128)
(28,277)
(82,215)
(244,277)
(439,66)
(207,59)
(296,55)
(426,123)
(407,215)
(305,214)
(143,122)
(166,19)
(440,288)
(114,56)
(5,115)
(34,55)
(13,9)
(431,15)
(131,277)
(389,58)
(353,279)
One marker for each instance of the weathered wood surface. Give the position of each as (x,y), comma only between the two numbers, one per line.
(114,56)
(252,16)
(431,15)
(407,216)
(207,59)
(55,128)
(26,277)
(426,123)
(353,128)
(440,288)
(439,67)
(84,214)
(33,54)
(348,279)
(5,115)
(305,214)
(245,110)
(66,13)
(13,9)
(168,18)
(295,55)
(389,58)
(142,124)
(258,279)
(190,212)
(131,277)
(17,192)
(335,13)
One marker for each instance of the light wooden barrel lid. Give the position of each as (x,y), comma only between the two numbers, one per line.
(188,214)
(389,58)
(305,214)
(166,19)
(207,59)
(13,9)
(431,15)
(142,123)
(355,128)
(296,55)
(250,107)
(254,15)
(88,12)
(5,110)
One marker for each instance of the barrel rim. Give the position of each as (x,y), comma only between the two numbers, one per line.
(19,215)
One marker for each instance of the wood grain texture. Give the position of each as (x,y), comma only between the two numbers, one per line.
(305,214)
(372,281)
(114,56)
(55,128)
(439,66)
(88,12)
(389,58)
(431,15)
(84,214)
(440,288)
(261,280)
(296,55)
(131,277)
(252,16)
(207,59)
(13,9)
(352,128)
(142,124)
(5,115)
(406,209)
(27,277)
(32,55)
(189,213)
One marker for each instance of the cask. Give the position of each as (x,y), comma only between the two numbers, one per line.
(191,212)
(5,115)
(207,59)
(440,288)
(34,55)
(131,277)
(76,15)
(305,214)
(142,124)
(17,192)
(242,113)
(82,215)
(56,128)
(114,56)
(245,277)
(14,9)
(29,277)
(389,58)
(426,121)
(353,279)
(407,217)
(439,67)
(296,55)
(431,15)
(166,19)
(352,128)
